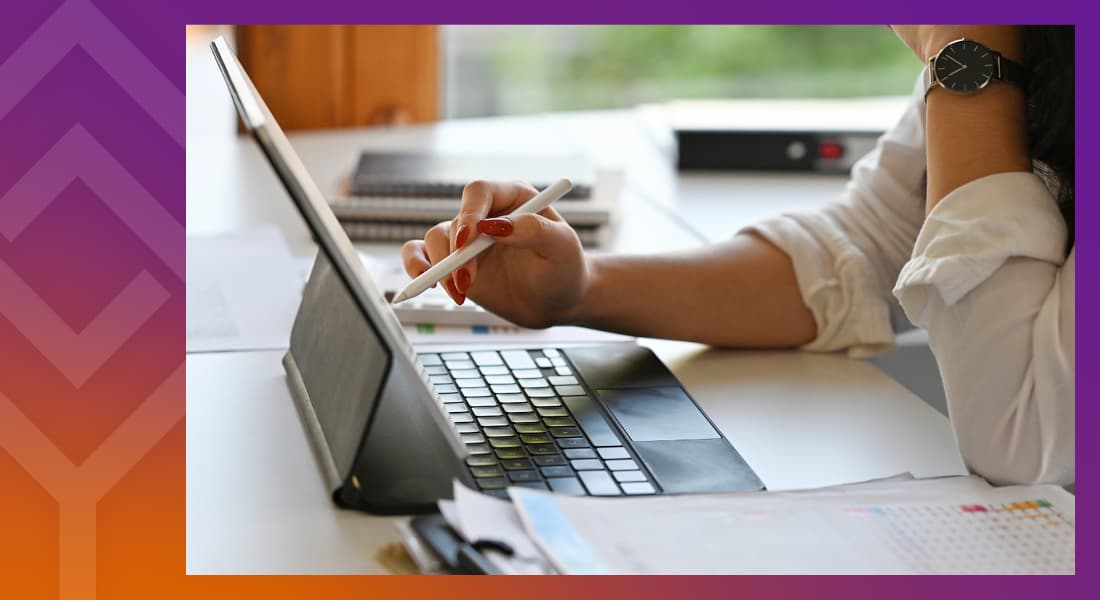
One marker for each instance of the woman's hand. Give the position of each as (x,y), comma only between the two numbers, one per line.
(927,40)
(534,275)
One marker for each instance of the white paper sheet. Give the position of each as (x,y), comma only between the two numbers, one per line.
(484,518)
(955,525)
(242,291)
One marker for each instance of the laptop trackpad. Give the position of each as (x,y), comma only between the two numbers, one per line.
(659,413)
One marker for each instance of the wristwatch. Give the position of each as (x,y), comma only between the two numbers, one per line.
(965,66)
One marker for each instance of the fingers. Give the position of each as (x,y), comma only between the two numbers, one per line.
(415,258)
(548,236)
(479,200)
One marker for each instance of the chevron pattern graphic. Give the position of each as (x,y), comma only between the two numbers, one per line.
(74,414)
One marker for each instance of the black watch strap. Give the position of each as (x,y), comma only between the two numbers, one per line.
(1011,71)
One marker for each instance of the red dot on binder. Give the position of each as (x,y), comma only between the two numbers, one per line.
(974,508)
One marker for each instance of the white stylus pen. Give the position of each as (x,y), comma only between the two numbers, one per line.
(455,260)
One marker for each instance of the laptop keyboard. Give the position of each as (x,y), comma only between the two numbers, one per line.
(527,419)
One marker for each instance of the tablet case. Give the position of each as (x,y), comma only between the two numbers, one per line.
(375,442)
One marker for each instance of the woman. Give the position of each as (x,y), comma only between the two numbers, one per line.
(960,220)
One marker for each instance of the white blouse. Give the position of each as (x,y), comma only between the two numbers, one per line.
(985,274)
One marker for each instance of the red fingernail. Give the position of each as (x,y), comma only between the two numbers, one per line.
(462,281)
(496,227)
(460,237)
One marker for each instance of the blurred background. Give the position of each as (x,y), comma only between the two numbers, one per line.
(336,76)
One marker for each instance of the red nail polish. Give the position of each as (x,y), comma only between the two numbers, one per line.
(462,281)
(496,227)
(460,237)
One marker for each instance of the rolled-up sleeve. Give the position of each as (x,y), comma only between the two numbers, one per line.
(847,256)
(989,281)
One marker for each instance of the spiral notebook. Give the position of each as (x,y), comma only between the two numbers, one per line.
(399,196)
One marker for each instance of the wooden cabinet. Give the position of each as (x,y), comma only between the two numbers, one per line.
(319,76)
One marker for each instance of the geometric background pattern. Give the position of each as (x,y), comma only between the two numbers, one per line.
(92,214)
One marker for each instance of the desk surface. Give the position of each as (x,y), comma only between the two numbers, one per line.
(255,499)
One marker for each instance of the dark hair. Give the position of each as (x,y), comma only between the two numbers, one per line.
(1048,57)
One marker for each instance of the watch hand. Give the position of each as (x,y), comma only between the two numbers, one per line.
(954,60)
(956,71)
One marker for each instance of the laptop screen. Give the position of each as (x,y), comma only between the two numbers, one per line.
(384,337)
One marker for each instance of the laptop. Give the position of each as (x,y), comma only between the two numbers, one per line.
(392,428)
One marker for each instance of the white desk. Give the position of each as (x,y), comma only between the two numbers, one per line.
(255,499)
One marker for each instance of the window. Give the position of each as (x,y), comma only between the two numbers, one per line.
(499,70)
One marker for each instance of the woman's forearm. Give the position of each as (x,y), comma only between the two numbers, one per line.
(974,135)
(741,293)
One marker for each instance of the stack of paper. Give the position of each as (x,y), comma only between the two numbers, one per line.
(950,525)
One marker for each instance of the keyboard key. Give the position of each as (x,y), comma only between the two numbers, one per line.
(592,421)
(559,422)
(562,390)
(622,465)
(562,380)
(478,449)
(558,361)
(537,485)
(517,359)
(450,398)
(557,472)
(527,374)
(486,358)
(472,438)
(545,402)
(464,417)
(504,442)
(487,411)
(476,382)
(498,431)
(492,483)
(493,421)
(573,443)
(481,460)
(529,428)
(599,483)
(563,371)
(511,398)
(516,407)
(436,370)
(477,392)
(510,453)
(517,464)
(590,464)
(553,411)
(565,432)
(613,453)
(551,352)
(534,383)
(481,401)
(524,476)
(638,488)
(544,363)
(580,453)
(523,417)
(541,450)
(467,427)
(539,392)
(455,356)
(625,476)
(445,388)
(430,360)
(551,460)
(493,471)
(563,485)
(536,438)
(455,407)
(499,379)
(466,374)
(501,370)
(505,388)
(501,493)
(454,365)
(439,379)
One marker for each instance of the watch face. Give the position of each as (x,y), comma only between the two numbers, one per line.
(964,66)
